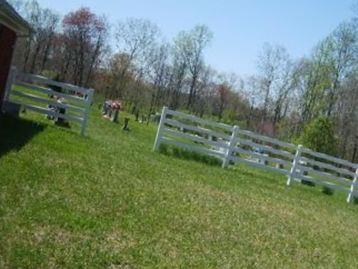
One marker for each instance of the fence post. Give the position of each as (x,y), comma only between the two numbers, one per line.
(232,145)
(351,191)
(87,110)
(160,129)
(294,165)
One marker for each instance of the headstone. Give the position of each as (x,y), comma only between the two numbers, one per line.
(156,118)
(126,122)
(61,110)
(279,166)
(114,117)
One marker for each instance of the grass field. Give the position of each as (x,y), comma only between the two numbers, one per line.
(108,201)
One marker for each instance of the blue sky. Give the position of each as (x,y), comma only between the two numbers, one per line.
(240,26)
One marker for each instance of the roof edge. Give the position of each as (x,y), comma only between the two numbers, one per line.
(10,18)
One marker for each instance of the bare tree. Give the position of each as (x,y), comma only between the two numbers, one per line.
(178,72)
(274,79)
(343,55)
(159,75)
(43,38)
(84,40)
(347,123)
(191,46)
(32,12)
(135,38)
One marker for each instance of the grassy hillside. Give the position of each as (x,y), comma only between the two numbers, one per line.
(107,201)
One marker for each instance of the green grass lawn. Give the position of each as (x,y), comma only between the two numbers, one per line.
(107,201)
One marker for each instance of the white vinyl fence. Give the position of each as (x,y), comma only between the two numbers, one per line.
(34,93)
(234,145)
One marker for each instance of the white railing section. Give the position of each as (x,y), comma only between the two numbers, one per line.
(34,93)
(234,145)
(193,133)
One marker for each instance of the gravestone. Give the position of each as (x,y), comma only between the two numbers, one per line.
(126,122)
(114,117)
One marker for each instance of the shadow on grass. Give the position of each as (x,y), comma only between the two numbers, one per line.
(16,133)
(189,155)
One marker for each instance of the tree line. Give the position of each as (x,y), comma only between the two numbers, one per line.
(132,61)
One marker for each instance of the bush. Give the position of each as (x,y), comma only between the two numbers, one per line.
(188,155)
(327,190)
(308,183)
(163,149)
(318,135)
(49,74)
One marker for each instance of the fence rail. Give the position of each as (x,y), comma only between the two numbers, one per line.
(35,93)
(234,145)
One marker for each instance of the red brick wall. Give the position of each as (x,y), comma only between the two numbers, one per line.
(7,43)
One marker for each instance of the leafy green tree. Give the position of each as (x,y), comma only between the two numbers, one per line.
(318,135)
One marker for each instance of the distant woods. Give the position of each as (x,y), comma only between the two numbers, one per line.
(130,60)
(69,48)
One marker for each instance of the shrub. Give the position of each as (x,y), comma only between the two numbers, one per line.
(308,183)
(163,149)
(188,155)
(49,74)
(318,135)
(327,190)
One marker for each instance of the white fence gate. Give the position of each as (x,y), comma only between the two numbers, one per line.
(34,89)
(234,145)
